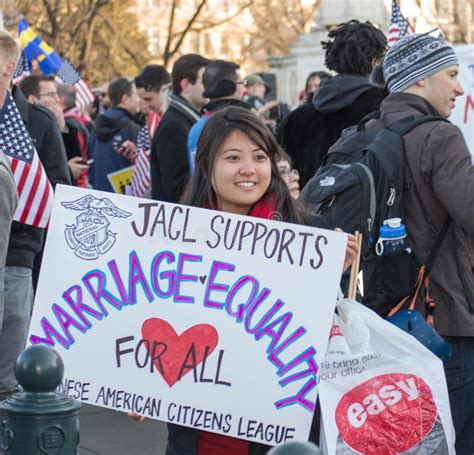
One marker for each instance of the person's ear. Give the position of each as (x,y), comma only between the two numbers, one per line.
(32,99)
(184,85)
(124,99)
(8,69)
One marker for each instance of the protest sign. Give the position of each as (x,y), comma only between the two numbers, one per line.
(463,113)
(120,179)
(192,316)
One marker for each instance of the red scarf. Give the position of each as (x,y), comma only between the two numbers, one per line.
(264,208)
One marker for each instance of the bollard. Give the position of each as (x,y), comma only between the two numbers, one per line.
(38,420)
(296,448)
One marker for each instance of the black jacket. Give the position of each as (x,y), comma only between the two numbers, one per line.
(169,152)
(311,129)
(111,129)
(26,241)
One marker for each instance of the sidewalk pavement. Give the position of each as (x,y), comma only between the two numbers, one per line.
(106,432)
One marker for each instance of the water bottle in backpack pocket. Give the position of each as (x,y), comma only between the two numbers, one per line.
(399,267)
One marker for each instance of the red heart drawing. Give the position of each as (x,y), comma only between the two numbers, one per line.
(170,363)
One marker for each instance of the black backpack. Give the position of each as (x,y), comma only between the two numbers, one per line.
(359,185)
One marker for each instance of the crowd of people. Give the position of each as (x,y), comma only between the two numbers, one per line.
(215,142)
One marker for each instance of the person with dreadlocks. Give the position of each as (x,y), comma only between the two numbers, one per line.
(352,51)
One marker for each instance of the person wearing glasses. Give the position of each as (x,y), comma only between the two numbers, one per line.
(43,91)
(104,98)
(289,175)
(224,86)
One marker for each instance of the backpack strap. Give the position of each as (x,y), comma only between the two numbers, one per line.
(423,278)
(376,115)
(406,124)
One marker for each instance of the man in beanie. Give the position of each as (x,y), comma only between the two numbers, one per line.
(224,86)
(352,51)
(421,74)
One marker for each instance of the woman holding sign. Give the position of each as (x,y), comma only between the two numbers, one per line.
(236,172)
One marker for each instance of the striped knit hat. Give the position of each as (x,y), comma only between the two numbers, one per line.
(415,57)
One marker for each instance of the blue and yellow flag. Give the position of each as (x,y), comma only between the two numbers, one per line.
(35,49)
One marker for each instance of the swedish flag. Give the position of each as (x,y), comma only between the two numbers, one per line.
(35,48)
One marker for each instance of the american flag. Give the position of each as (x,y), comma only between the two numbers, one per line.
(34,190)
(399,26)
(22,69)
(68,74)
(141,179)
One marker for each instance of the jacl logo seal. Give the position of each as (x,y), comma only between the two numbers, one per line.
(90,236)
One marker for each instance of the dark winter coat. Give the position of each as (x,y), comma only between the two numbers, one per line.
(169,151)
(309,131)
(112,128)
(26,241)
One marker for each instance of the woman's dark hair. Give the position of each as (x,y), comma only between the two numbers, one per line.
(321,74)
(199,192)
(353,47)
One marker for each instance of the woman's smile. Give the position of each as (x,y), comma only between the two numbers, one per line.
(241,174)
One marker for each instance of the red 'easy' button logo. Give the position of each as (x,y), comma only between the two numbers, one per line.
(386,414)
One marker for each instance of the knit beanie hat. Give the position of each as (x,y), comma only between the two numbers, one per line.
(415,57)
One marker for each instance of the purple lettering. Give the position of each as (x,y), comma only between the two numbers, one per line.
(168,275)
(79,307)
(49,332)
(300,397)
(136,276)
(238,285)
(100,292)
(181,277)
(217,287)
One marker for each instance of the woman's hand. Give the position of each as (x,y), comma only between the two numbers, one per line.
(352,249)
(136,416)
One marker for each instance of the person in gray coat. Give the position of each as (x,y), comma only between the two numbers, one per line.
(25,241)
(8,204)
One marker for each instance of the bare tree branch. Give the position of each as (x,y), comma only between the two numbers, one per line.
(166,53)
(188,26)
(225,20)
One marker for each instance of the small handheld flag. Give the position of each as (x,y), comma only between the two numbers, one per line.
(68,74)
(22,69)
(36,49)
(34,190)
(399,26)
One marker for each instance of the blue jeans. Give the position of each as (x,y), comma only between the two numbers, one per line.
(16,320)
(460,378)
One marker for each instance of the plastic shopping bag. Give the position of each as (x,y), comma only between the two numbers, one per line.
(381,391)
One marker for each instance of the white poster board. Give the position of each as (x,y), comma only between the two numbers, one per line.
(187,315)
(463,113)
